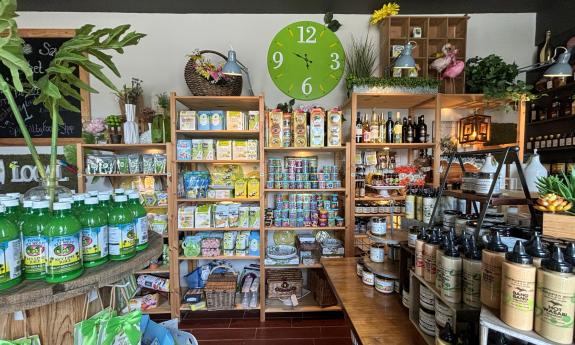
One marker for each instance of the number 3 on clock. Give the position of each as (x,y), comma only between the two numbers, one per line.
(306,60)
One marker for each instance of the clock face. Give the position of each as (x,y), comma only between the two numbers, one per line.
(306,60)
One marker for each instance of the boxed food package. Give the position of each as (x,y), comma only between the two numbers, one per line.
(287,130)
(254,217)
(203,123)
(224,149)
(203,216)
(211,246)
(221,215)
(233,214)
(184,149)
(240,149)
(334,134)
(254,120)
(186,216)
(217,120)
(252,149)
(242,240)
(316,128)
(275,128)
(253,188)
(299,129)
(235,120)
(188,120)
(197,150)
(230,240)
(208,150)
(219,193)
(240,188)
(244,217)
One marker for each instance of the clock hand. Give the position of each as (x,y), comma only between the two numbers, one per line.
(299,56)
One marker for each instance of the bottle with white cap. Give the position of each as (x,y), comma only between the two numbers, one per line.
(122,235)
(140,220)
(10,253)
(12,210)
(78,205)
(118,191)
(94,233)
(104,203)
(35,240)
(64,245)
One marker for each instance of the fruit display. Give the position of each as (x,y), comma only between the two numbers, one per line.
(553,203)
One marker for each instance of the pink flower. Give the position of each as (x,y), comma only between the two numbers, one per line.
(95,126)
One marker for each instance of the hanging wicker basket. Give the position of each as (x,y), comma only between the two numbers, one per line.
(200,86)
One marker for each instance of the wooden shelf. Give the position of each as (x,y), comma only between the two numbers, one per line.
(558,119)
(239,306)
(219,200)
(391,101)
(216,229)
(303,228)
(303,190)
(426,337)
(306,305)
(221,257)
(161,269)
(305,149)
(300,266)
(379,198)
(162,308)
(124,147)
(217,134)
(124,175)
(221,161)
(220,102)
(456,307)
(383,146)
(495,201)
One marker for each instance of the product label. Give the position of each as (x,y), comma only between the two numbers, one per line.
(518,294)
(204,119)
(471,285)
(555,308)
(254,245)
(142,229)
(410,207)
(64,254)
(10,260)
(122,239)
(451,277)
(490,282)
(428,204)
(35,254)
(95,242)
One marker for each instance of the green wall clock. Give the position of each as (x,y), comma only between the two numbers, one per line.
(306,60)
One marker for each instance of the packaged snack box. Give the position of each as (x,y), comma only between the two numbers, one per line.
(244,217)
(217,120)
(208,150)
(221,215)
(203,120)
(184,149)
(186,216)
(254,187)
(240,149)
(224,149)
(275,128)
(299,129)
(188,120)
(203,216)
(252,149)
(254,216)
(235,120)
(316,128)
(240,188)
(197,150)
(254,120)
(334,134)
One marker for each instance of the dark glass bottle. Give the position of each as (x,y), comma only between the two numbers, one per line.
(389,129)
(555,108)
(409,131)
(358,129)
(534,113)
(422,130)
(568,107)
(404,130)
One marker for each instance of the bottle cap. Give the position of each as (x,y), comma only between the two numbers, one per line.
(79,197)
(450,248)
(91,201)
(446,334)
(59,206)
(519,255)
(121,198)
(434,238)
(10,202)
(557,262)
(119,191)
(27,203)
(40,204)
(472,253)
(570,252)
(536,247)
(495,244)
(133,196)
(103,197)
(422,234)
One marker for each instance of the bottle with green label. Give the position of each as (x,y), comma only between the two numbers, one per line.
(12,210)
(140,221)
(64,233)
(10,252)
(35,241)
(121,233)
(94,233)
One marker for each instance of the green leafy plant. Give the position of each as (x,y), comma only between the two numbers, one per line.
(113,121)
(163,101)
(130,94)
(490,75)
(332,24)
(352,81)
(59,82)
(361,58)
(563,185)
(286,107)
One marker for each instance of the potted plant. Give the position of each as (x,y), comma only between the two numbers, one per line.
(129,96)
(161,121)
(114,123)
(93,132)
(86,50)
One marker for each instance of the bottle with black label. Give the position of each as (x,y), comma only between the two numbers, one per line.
(404,130)
(358,129)
(555,108)
(534,113)
(410,131)
(389,129)
(397,129)
(422,128)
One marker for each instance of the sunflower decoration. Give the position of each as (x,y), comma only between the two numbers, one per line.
(389,9)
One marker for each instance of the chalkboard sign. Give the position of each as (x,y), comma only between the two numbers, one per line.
(40,48)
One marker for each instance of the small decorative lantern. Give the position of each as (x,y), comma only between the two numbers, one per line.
(474,129)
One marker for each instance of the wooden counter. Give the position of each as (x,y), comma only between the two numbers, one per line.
(53,309)
(376,318)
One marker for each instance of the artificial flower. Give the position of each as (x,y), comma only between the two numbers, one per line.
(389,9)
(95,126)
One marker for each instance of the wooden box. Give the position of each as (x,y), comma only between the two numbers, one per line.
(559,225)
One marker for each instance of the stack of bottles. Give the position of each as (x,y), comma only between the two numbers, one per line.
(55,245)
(512,282)
(377,130)
(419,203)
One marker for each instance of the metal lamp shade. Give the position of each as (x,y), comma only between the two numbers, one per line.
(231,67)
(561,68)
(405,60)
(474,129)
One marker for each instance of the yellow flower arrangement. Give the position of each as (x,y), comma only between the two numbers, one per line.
(389,9)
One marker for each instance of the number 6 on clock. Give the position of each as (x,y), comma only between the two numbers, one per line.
(306,88)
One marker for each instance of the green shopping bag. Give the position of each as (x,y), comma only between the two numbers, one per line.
(86,332)
(122,330)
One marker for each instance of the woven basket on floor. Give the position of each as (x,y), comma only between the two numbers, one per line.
(200,86)
(220,290)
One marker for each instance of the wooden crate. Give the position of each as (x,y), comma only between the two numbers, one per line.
(559,225)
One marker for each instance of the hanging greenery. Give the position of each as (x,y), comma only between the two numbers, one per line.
(383,82)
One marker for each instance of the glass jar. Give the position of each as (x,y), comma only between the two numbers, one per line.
(468,182)
(484,182)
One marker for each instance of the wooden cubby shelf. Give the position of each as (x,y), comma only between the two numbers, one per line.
(305,149)
(219,134)
(246,200)
(219,257)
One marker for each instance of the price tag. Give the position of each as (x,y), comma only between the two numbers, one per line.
(18,315)
(92,295)
(294,300)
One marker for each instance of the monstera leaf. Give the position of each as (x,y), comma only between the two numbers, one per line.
(11,44)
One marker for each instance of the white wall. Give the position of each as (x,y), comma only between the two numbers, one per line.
(160,57)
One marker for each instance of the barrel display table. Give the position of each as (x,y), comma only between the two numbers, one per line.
(52,310)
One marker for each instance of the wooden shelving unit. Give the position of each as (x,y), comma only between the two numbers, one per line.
(166,305)
(241,103)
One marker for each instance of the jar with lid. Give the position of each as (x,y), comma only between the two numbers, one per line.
(410,204)
(484,182)
(359,267)
(412,236)
(367,277)
(449,217)
(468,182)
(383,284)
(543,143)
(550,139)
(377,252)
(378,226)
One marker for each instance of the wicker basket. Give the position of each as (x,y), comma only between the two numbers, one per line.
(322,292)
(220,290)
(200,86)
(283,283)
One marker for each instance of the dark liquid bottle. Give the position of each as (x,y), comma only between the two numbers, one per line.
(422,130)
(389,129)
(358,129)
(404,130)
(409,131)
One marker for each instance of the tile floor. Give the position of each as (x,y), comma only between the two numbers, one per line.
(244,328)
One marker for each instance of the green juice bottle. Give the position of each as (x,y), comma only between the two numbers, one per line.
(94,233)
(35,241)
(10,252)
(140,221)
(12,210)
(26,211)
(104,203)
(122,236)
(78,205)
(16,196)
(119,191)
(64,234)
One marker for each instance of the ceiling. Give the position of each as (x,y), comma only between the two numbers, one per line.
(279,6)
